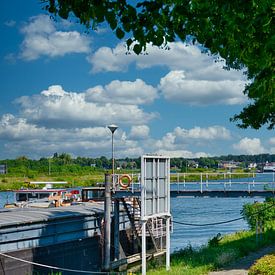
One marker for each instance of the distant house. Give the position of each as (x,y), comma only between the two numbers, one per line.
(228,165)
(3,169)
(93,165)
(252,165)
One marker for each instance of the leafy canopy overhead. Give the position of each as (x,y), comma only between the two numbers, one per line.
(239,31)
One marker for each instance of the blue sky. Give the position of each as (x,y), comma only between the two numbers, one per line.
(61,85)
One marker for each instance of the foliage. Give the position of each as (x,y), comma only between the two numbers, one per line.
(215,240)
(212,257)
(263,266)
(264,213)
(239,31)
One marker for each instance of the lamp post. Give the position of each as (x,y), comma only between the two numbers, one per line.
(113,128)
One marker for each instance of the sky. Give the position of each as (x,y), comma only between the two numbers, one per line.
(61,85)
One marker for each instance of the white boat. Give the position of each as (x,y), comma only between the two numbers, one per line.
(269,168)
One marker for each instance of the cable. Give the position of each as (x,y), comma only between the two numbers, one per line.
(59,268)
(223,222)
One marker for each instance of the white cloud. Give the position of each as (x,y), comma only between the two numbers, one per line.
(18,137)
(42,39)
(123,92)
(180,57)
(59,108)
(176,87)
(250,146)
(182,154)
(175,143)
(209,133)
(139,132)
(196,78)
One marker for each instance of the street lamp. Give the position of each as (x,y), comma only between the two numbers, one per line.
(113,128)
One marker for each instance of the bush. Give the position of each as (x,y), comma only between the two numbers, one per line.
(263,266)
(261,212)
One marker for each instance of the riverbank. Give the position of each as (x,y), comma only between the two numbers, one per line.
(218,254)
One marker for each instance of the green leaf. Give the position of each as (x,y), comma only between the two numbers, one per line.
(137,48)
(120,33)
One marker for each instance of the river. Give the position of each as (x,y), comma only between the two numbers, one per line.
(196,211)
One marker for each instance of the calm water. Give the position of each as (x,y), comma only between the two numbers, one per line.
(205,210)
(198,211)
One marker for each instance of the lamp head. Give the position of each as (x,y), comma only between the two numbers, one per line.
(112,128)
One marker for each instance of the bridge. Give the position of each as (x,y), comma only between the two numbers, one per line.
(214,185)
(223,185)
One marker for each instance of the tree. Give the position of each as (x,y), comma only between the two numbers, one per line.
(239,31)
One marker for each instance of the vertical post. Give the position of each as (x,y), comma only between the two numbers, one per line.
(178,180)
(116,229)
(107,222)
(168,243)
(143,245)
(201,182)
(113,163)
(113,128)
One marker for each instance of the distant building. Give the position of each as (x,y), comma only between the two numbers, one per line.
(93,165)
(269,167)
(3,169)
(228,165)
(252,165)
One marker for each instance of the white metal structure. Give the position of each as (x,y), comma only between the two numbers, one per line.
(155,198)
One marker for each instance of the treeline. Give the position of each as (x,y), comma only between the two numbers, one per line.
(65,163)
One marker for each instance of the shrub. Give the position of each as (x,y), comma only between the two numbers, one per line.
(262,212)
(263,266)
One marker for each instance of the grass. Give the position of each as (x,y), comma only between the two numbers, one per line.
(216,255)
(264,266)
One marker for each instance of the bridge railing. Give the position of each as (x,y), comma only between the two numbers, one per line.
(223,181)
(248,181)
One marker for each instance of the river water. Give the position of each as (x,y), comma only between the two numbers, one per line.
(195,211)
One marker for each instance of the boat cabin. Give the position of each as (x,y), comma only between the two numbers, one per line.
(93,194)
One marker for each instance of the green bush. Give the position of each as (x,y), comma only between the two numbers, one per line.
(263,212)
(263,266)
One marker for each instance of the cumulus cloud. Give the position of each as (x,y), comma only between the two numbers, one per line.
(59,108)
(174,143)
(250,146)
(19,136)
(176,87)
(123,92)
(43,39)
(182,154)
(195,78)
(139,132)
(180,56)
(209,133)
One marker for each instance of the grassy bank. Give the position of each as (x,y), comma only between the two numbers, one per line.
(90,178)
(15,182)
(217,254)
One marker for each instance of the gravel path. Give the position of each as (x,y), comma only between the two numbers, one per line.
(241,266)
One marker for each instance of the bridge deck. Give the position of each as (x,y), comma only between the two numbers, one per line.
(204,193)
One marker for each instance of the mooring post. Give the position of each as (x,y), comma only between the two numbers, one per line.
(116,229)
(107,222)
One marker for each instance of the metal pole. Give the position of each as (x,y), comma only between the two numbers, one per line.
(107,222)
(168,243)
(143,248)
(116,229)
(113,163)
